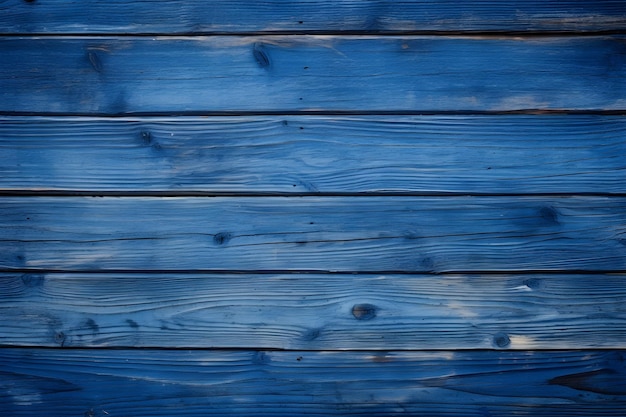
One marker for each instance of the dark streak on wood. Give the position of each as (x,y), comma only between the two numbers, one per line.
(602,381)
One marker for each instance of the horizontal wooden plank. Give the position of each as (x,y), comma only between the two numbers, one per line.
(466,154)
(232,16)
(257,383)
(314,233)
(310,73)
(314,312)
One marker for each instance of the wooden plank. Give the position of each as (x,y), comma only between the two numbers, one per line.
(466,154)
(257,383)
(232,16)
(314,233)
(310,73)
(314,312)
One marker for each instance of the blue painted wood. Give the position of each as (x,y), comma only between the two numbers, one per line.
(317,233)
(314,312)
(259,383)
(319,68)
(236,16)
(310,73)
(326,154)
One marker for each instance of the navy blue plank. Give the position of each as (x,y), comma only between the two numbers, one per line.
(232,16)
(316,154)
(310,73)
(416,234)
(313,312)
(61,383)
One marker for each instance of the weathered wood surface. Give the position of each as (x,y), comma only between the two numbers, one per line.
(316,154)
(236,16)
(314,312)
(255,383)
(337,97)
(310,73)
(315,233)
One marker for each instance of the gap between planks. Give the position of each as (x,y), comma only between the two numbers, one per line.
(494,34)
(216,194)
(279,113)
(235,349)
(313,271)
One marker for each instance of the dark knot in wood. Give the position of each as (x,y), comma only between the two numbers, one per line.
(364,311)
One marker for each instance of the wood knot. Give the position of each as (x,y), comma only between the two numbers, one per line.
(549,214)
(311,334)
(59,337)
(364,311)
(146,137)
(222,238)
(533,283)
(260,358)
(32,280)
(91,326)
(132,323)
(501,340)
(95,61)
(260,55)
(428,263)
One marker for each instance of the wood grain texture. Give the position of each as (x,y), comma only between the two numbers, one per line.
(314,312)
(259,383)
(325,154)
(310,73)
(314,233)
(232,16)
(311,303)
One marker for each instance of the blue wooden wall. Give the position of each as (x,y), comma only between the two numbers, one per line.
(340,207)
